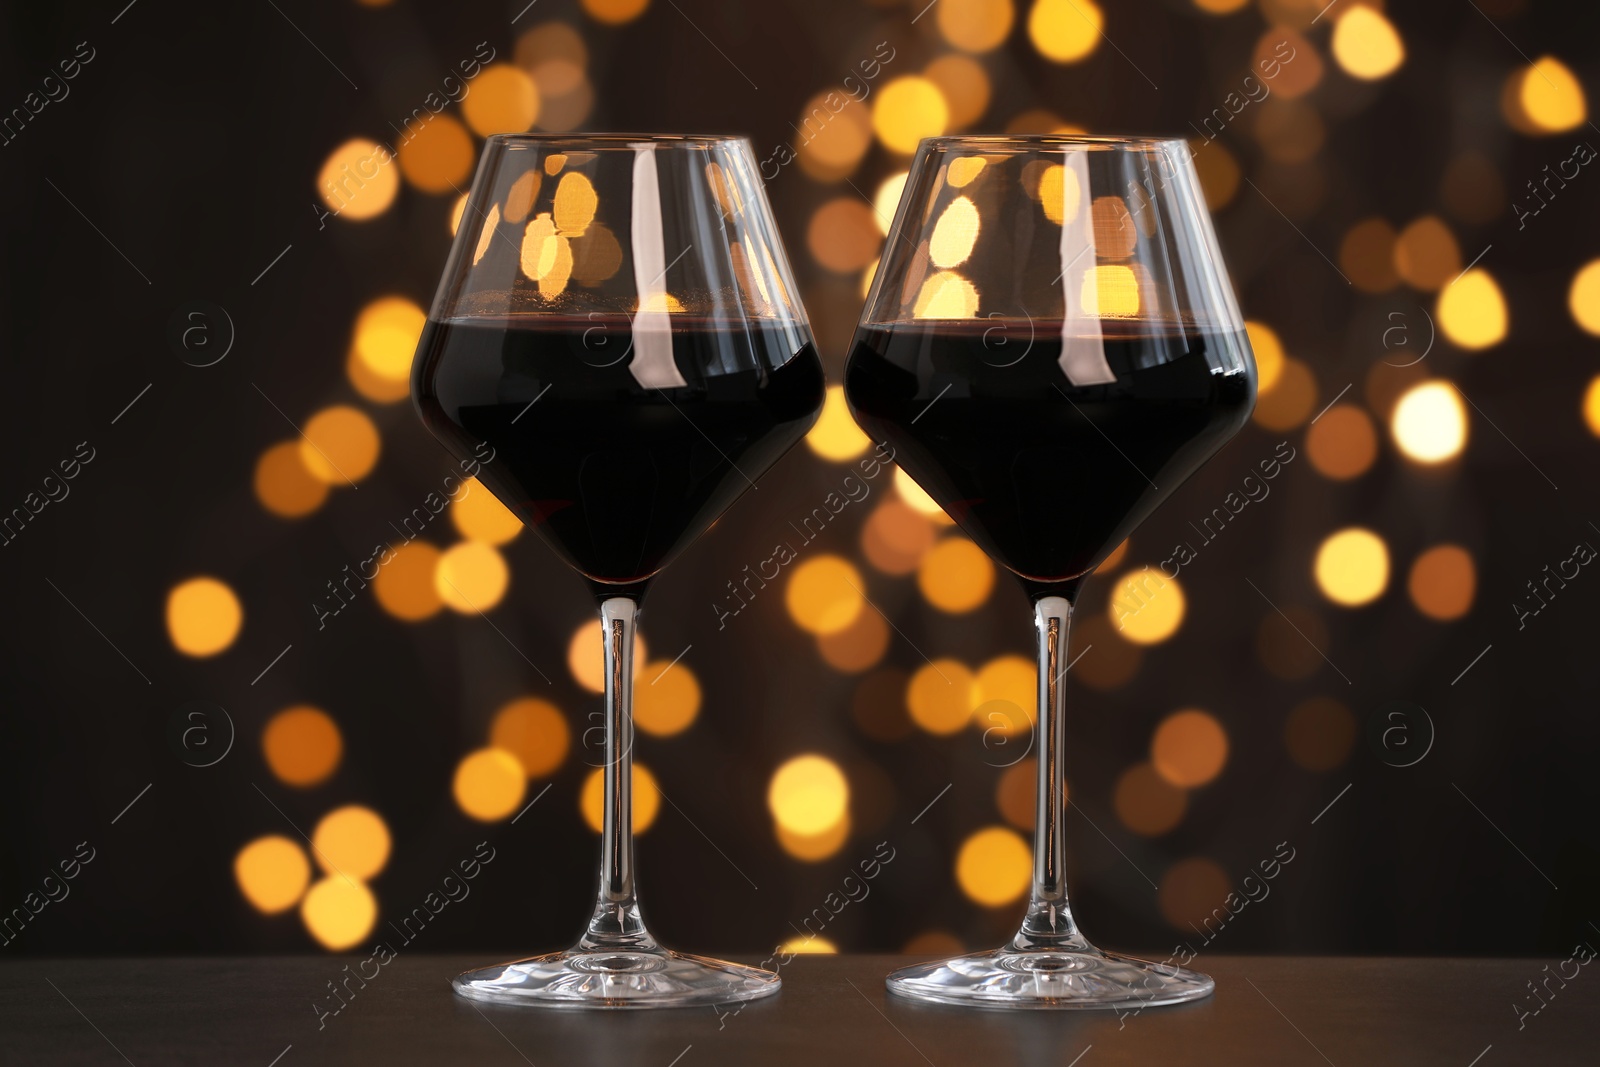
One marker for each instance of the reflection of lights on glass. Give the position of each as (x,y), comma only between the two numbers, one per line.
(1110,291)
(1430,422)
(946,295)
(918,499)
(203,616)
(575,204)
(811,945)
(955,234)
(887,199)
(1352,567)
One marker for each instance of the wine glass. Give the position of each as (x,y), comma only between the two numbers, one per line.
(618,342)
(1051,347)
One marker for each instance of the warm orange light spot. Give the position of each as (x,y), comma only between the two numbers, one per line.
(534,732)
(836,437)
(824,594)
(471,577)
(946,295)
(352,841)
(1110,292)
(1060,193)
(842,235)
(489,784)
(917,498)
(1551,97)
(1110,663)
(832,134)
(1442,582)
(358,180)
(895,537)
(1367,255)
(615,12)
(405,585)
(284,486)
(966,89)
(575,204)
(1065,31)
(1295,61)
(939,696)
(1583,298)
(1591,405)
(272,873)
(1293,398)
(1267,350)
(339,445)
(809,945)
(479,515)
(1146,606)
(1005,695)
(385,338)
(501,99)
(302,745)
(975,25)
(994,866)
(666,698)
(438,156)
(1114,560)
(1429,422)
(907,109)
(813,848)
(1218,171)
(1352,567)
(808,795)
(955,234)
(858,646)
(1472,311)
(203,616)
(646,799)
(1426,254)
(339,912)
(955,576)
(1147,803)
(1342,443)
(1189,748)
(1366,44)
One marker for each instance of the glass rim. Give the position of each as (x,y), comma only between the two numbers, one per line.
(1028,141)
(602,141)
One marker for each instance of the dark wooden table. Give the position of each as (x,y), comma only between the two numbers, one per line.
(832,1011)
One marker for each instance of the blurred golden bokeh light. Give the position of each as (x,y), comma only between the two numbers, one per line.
(1146,606)
(646,799)
(1352,567)
(1550,96)
(352,841)
(836,437)
(895,537)
(858,647)
(666,698)
(339,912)
(358,180)
(615,12)
(1268,352)
(1017,793)
(1583,298)
(501,99)
(906,110)
(994,866)
(405,585)
(284,486)
(966,88)
(478,515)
(272,873)
(302,746)
(1367,255)
(955,576)
(437,156)
(1366,44)
(813,848)
(808,795)
(939,696)
(1292,399)
(1065,31)
(489,784)
(384,340)
(203,616)
(1342,443)
(1591,405)
(1472,312)
(824,594)
(1442,582)
(471,577)
(1426,254)
(1190,748)
(534,732)
(975,25)
(917,498)
(808,945)
(1429,422)
(1005,694)
(339,445)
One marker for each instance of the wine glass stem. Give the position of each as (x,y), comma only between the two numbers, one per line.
(1048,923)
(617,922)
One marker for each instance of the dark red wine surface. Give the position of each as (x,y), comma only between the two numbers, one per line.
(616,476)
(1045,475)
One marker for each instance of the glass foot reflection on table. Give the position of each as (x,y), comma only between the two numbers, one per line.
(1052,978)
(633,978)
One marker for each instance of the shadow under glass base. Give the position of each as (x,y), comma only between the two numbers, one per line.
(1059,978)
(633,978)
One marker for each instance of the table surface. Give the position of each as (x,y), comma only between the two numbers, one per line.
(832,1010)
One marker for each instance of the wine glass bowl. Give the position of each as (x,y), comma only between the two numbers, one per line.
(618,350)
(1050,347)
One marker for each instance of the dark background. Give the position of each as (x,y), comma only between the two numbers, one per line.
(193,141)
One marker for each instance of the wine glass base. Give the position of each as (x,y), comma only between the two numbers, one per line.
(634,978)
(1059,979)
